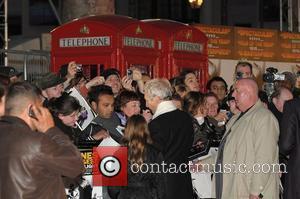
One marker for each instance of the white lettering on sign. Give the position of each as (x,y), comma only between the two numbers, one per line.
(84,41)
(138,42)
(188,46)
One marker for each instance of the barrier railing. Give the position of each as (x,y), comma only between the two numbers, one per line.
(32,63)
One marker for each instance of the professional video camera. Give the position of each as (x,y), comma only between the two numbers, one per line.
(269,78)
(213,134)
(272,75)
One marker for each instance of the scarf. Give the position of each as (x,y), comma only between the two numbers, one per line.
(164,107)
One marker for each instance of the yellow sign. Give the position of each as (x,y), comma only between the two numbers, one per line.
(220,40)
(87,158)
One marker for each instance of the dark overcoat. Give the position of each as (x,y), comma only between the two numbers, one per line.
(289,145)
(172,134)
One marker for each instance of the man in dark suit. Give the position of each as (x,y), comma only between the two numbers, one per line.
(172,133)
(289,145)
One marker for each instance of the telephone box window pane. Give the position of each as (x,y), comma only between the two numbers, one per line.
(90,70)
(93,71)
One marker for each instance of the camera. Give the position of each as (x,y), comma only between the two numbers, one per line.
(269,78)
(129,73)
(272,75)
(239,75)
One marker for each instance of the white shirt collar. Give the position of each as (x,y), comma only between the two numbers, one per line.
(164,107)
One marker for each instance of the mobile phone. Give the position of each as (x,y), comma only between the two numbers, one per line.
(228,113)
(31,113)
(78,67)
(129,73)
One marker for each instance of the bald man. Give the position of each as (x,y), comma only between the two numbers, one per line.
(248,149)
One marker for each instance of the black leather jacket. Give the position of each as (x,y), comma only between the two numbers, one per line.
(32,163)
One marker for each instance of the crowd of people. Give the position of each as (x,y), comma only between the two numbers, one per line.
(160,120)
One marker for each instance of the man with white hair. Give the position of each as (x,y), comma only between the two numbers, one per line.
(172,133)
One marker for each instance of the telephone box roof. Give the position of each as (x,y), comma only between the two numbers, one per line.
(114,21)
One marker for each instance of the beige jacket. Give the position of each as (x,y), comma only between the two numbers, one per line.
(250,149)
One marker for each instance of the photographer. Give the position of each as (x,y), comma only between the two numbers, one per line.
(243,69)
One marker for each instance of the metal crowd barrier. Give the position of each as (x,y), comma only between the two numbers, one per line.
(32,63)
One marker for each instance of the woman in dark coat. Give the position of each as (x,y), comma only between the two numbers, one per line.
(141,185)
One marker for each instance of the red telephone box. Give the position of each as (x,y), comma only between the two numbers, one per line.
(107,41)
(140,47)
(183,47)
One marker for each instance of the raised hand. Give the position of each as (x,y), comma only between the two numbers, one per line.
(72,70)
(126,83)
(95,82)
(101,135)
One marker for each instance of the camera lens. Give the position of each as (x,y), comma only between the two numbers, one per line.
(239,75)
(268,77)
